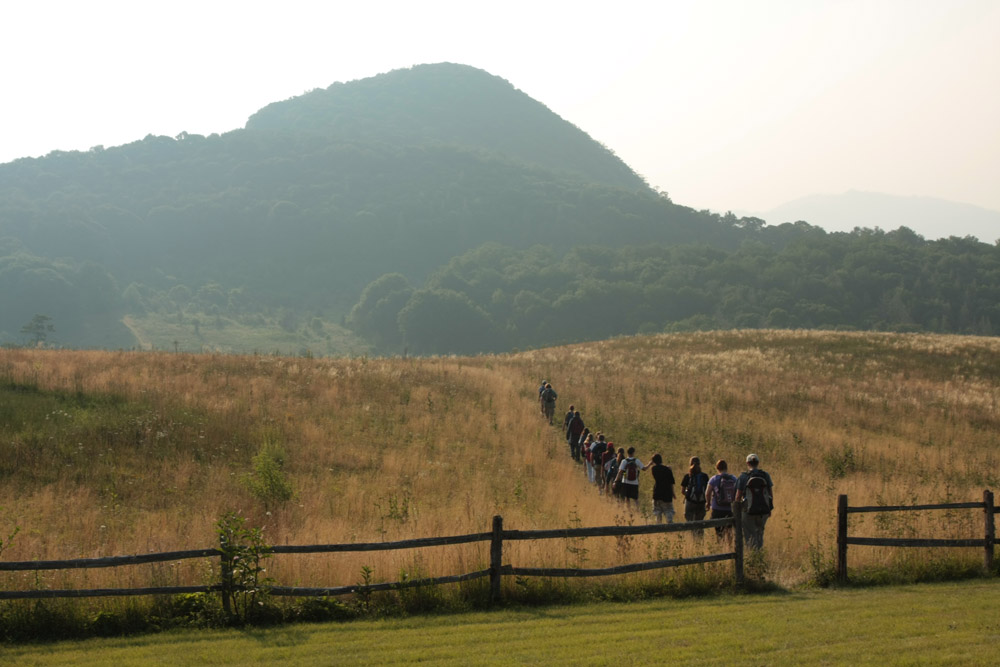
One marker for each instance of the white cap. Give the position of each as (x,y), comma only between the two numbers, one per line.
(753,458)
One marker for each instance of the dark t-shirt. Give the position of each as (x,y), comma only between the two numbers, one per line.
(663,483)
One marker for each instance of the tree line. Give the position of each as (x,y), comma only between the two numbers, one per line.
(498,298)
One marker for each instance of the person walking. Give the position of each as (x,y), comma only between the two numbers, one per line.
(663,490)
(574,429)
(628,477)
(549,397)
(756,491)
(541,401)
(693,487)
(586,453)
(597,450)
(719,498)
(612,462)
(577,447)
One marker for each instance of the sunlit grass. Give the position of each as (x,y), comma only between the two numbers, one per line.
(952,623)
(111,453)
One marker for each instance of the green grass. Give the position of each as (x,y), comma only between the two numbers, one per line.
(946,623)
(223,334)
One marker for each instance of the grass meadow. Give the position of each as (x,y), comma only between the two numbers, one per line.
(927,624)
(114,453)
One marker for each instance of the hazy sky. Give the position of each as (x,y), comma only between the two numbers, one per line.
(724,105)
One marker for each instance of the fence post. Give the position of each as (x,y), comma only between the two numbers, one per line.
(990,529)
(738,542)
(226,570)
(496,558)
(842,538)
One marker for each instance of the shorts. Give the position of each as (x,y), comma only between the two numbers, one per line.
(663,508)
(630,491)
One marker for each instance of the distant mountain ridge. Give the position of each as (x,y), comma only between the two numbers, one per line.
(926,216)
(446,103)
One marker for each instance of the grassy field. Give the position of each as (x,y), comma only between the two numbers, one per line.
(110,453)
(200,332)
(953,623)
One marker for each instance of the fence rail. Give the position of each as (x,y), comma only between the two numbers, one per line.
(988,542)
(497,536)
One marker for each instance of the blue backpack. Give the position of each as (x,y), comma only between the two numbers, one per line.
(696,490)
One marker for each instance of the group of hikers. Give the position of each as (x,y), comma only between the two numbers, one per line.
(615,471)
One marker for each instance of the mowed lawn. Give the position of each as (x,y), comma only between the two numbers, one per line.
(950,623)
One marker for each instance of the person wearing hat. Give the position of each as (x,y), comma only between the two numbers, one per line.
(755,491)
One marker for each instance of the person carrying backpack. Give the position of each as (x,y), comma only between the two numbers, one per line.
(597,450)
(756,491)
(694,486)
(549,397)
(612,461)
(719,498)
(628,477)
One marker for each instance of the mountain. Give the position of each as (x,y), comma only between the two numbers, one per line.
(445,103)
(285,221)
(931,218)
(431,210)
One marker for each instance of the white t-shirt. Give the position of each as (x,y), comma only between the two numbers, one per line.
(624,470)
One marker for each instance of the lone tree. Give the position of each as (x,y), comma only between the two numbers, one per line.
(38,329)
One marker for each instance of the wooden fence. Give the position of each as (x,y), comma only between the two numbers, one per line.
(987,543)
(497,537)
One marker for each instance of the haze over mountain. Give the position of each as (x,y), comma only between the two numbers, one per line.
(924,215)
(435,209)
(447,104)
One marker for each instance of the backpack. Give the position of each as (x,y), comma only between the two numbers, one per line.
(631,470)
(758,496)
(696,490)
(549,395)
(727,490)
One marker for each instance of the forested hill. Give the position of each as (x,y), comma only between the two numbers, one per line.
(288,224)
(448,104)
(435,209)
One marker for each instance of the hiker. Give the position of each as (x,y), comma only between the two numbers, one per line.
(569,417)
(597,450)
(577,446)
(756,491)
(719,498)
(549,397)
(663,490)
(612,462)
(628,476)
(574,429)
(585,450)
(541,401)
(693,486)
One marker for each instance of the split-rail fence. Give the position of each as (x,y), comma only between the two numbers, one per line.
(987,542)
(497,537)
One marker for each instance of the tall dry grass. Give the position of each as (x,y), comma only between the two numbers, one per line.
(144,451)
